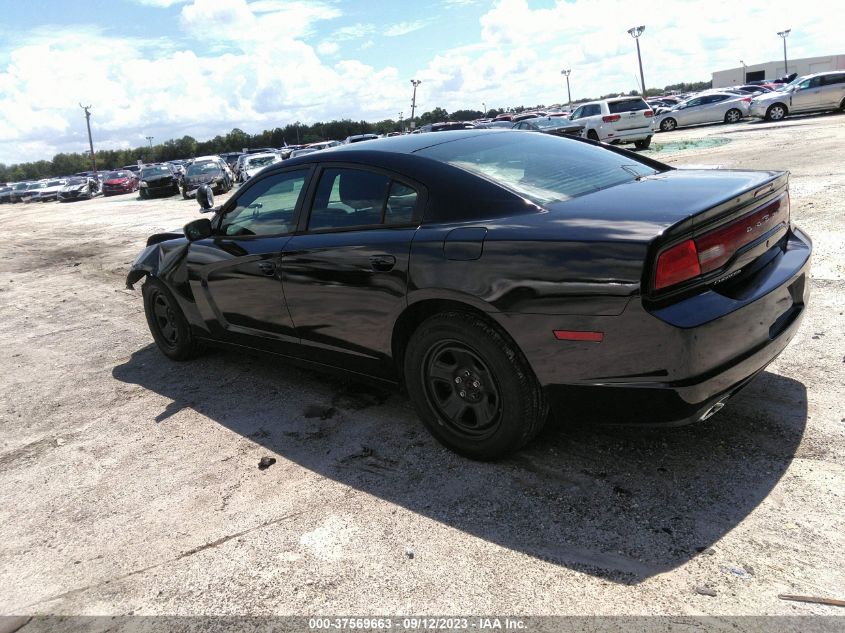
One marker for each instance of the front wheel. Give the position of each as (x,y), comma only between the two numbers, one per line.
(471,387)
(593,135)
(776,112)
(184,190)
(668,124)
(733,116)
(168,325)
(643,144)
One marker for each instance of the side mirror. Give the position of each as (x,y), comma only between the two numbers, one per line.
(198,229)
(205,196)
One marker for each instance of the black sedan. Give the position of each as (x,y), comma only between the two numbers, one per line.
(558,126)
(158,180)
(495,275)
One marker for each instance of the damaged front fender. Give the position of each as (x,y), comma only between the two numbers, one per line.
(164,252)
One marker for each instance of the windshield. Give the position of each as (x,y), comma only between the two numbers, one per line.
(203,169)
(794,82)
(37,185)
(116,175)
(547,123)
(55,183)
(77,180)
(261,161)
(149,172)
(540,167)
(21,186)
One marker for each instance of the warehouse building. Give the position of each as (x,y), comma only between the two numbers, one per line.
(774,69)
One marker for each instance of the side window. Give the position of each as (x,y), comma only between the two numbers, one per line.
(716,98)
(401,202)
(694,102)
(829,80)
(804,85)
(593,110)
(266,208)
(348,197)
(578,112)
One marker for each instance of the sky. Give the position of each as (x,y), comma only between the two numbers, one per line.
(169,68)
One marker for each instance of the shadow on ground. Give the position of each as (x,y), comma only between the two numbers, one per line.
(619,502)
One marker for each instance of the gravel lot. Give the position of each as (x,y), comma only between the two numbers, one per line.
(129,483)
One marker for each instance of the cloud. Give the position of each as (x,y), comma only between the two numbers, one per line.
(403,28)
(327,48)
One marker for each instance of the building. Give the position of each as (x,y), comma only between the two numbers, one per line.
(774,69)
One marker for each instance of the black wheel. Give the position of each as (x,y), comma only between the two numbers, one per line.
(142,194)
(167,324)
(643,144)
(471,387)
(733,116)
(668,124)
(842,106)
(593,135)
(776,112)
(184,191)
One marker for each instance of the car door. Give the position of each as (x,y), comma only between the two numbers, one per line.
(691,113)
(833,90)
(236,273)
(345,273)
(713,108)
(806,95)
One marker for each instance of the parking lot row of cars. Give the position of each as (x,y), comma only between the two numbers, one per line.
(625,119)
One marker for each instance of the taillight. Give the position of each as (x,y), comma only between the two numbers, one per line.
(648,113)
(677,264)
(714,249)
(610,118)
(746,99)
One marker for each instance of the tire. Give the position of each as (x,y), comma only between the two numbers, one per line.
(593,135)
(733,116)
(643,144)
(142,194)
(184,193)
(502,407)
(167,324)
(776,112)
(842,106)
(668,124)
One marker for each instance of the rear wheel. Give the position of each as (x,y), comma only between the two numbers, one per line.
(471,387)
(168,325)
(668,124)
(733,116)
(643,144)
(776,112)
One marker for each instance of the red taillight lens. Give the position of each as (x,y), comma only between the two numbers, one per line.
(746,99)
(715,248)
(648,113)
(677,264)
(610,118)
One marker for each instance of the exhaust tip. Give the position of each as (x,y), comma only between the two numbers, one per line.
(712,410)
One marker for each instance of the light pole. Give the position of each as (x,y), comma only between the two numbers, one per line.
(744,71)
(90,142)
(784,35)
(568,94)
(484,106)
(401,128)
(635,32)
(415,82)
(150,139)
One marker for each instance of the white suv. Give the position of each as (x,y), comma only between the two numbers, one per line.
(812,93)
(620,120)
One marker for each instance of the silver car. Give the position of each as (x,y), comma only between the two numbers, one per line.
(709,107)
(812,93)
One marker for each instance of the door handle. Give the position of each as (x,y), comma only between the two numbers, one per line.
(268,268)
(382,263)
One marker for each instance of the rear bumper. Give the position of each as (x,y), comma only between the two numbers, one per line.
(670,366)
(625,136)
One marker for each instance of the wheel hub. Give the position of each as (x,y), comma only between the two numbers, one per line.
(468,385)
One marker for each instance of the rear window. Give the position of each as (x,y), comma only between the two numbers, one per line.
(631,105)
(539,167)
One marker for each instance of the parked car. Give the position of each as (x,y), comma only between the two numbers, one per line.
(158,180)
(357,138)
(6,193)
(495,274)
(709,107)
(32,190)
(548,125)
(617,120)
(50,193)
(207,170)
(80,188)
(120,181)
(314,147)
(18,191)
(256,162)
(812,93)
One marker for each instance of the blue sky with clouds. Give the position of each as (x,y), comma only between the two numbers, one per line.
(167,68)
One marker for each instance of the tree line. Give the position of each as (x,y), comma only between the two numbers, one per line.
(236,140)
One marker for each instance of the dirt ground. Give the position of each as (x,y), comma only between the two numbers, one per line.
(129,483)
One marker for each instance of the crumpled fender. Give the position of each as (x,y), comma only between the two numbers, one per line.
(164,252)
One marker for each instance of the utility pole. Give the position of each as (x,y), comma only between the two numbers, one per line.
(415,82)
(744,71)
(150,139)
(90,142)
(568,93)
(401,128)
(635,32)
(484,105)
(784,35)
